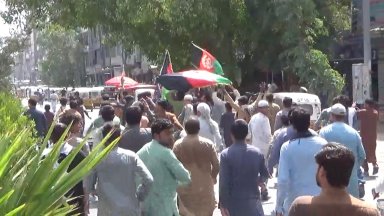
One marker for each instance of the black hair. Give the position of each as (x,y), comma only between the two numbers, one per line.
(47,107)
(107,113)
(32,102)
(192,126)
(300,119)
(285,120)
(228,106)
(287,102)
(125,93)
(133,115)
(180,95)
(163,104)
(69,118)
(129,99)
(63,101)
(57,132)
(73,104)
(269,97)
(77,93)
(337,161)
(159,125)
(344,100)
(105,97)
(239,129)
(243,100)
(116,133)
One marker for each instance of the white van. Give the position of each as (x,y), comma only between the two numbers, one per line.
(309,102)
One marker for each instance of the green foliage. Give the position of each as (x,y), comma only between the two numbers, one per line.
(251,35)
(30,185)
(63,56)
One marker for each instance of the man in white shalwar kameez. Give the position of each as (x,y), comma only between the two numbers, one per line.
(259,129)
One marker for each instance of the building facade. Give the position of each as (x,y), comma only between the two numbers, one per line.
(104,61)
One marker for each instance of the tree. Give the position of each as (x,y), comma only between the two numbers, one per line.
(62,56)
(9,46)
(250,36)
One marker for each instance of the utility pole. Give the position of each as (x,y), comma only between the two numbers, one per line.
(367,48)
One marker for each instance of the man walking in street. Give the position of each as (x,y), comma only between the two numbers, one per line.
(54,99)
(38,117)
(187,111)
(273,110)
(242,169)
(134,137)
(260,133)
(114,180)
(49,116)
(63,106)
(342,133)
(324,118)
(287,105)
(369,118)
(199,157)
(297,165)
(226,122)
(108,116)
(168,173)
(260,129)
(335,164)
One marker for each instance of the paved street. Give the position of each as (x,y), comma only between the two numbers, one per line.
(269,205)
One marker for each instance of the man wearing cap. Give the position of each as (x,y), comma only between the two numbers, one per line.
(344,134)
(187,111)
(259,131)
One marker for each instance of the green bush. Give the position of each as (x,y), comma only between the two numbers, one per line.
(31,186)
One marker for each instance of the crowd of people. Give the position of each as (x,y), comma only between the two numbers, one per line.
(171,152)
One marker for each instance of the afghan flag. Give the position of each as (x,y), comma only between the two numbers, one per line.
(205,61)
(165,69)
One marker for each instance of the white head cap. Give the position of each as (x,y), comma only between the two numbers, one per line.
(338,109)
(188,97)
(263,104)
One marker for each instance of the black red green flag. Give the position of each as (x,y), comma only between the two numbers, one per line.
(206,61)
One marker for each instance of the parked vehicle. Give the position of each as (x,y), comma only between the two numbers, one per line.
(309,102)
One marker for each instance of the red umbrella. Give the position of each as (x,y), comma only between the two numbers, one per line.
(116,81)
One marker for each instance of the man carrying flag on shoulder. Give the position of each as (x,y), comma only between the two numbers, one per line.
(205,61)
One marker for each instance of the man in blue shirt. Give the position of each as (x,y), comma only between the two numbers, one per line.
(342,133)
(242,169)
(297,166)
(38,117)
